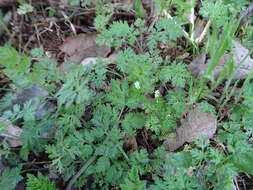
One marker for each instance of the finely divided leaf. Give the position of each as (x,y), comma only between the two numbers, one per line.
(10,178)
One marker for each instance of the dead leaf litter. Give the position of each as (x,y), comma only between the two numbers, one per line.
(83,46)
(196,124)
(243,64)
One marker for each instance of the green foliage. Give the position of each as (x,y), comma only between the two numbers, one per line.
(37,52)
(166,30)
(101,21)
(177,74)
(44,72)
(39,183)
(133,182)
(181,7)
(118,34)
(206,107)
(16,66)
(81,2)
(176,177)
(75,89)
(177,100)
(132,122)
(243,162)
(179,170)
(10,178)
(160,118)
(216,11)
(119,93)
(139,67)
(141,96)
(140,11)
(24,9)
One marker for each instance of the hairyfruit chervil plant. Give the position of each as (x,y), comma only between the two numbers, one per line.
(93,108)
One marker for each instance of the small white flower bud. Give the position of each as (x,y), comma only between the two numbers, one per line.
(157,93)
(137,85)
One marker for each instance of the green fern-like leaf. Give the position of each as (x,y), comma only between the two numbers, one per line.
(141,68)
(118,33)
(39,183)
(216,11)
(165,31)
(16,66)
(10,178)
(74,89)
(177,74)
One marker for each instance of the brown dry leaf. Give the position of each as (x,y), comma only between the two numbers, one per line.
(241,59)
(147,4)
(241,54)
(113,55)
(64,2)
(198,66)
(11,132)
(82,46)
(61,3)
(130,143)
(199,27)
(6,3)
(196,124)
(127,3)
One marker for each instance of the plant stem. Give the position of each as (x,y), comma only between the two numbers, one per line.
(90,161)
(80,172)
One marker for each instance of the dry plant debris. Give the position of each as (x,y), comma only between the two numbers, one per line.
(130,143)
(242,62)
(196,124)
(6,3)
(11,132)
(82,46)
(199,27)
(108,121)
